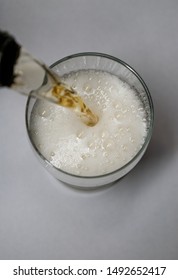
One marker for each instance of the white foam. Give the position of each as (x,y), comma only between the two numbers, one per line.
(89,151)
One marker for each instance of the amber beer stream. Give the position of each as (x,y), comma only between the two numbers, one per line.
(69,98)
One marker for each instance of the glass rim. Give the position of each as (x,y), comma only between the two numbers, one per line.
(149,132)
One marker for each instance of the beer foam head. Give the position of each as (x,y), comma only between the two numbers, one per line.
(72,146)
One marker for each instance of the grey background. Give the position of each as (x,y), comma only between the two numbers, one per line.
(41,218)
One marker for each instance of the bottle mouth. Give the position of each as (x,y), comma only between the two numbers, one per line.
(9,53)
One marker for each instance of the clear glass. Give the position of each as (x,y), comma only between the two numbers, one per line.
(103,62)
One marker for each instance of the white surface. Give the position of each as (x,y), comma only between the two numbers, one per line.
(41,218)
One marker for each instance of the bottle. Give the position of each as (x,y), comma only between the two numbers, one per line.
(20,71)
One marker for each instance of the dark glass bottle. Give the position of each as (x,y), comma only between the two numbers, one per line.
(22,72)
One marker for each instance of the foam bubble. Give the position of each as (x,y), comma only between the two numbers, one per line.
(91,144)
(42,112)
(52,154)
(87,88)
(80,134)
(108,144)
(117,116)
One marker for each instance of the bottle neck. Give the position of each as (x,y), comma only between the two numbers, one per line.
(33,77)
(23,73)
(28,74)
